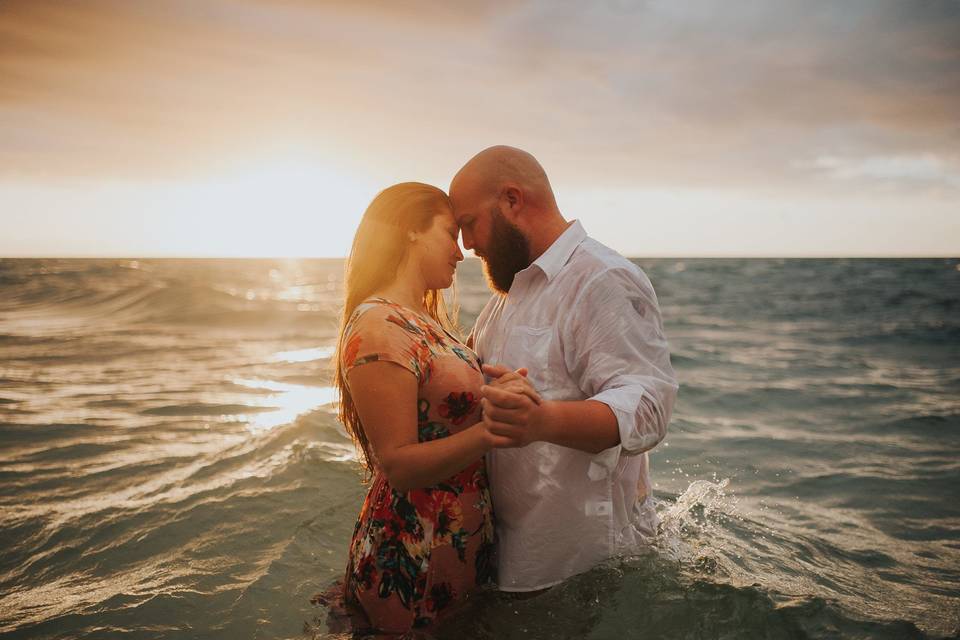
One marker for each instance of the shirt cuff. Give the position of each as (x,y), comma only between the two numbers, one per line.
(602,464)
(632,440)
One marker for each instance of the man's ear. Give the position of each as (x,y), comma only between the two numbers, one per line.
(511,201)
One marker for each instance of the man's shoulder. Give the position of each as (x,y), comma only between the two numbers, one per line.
(595,251)
(594,262)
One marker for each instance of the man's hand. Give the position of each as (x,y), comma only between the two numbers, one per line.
(511,406)
(514,412)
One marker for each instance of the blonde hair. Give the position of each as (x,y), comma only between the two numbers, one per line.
(380,247)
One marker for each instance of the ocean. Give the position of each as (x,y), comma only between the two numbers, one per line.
(172,466)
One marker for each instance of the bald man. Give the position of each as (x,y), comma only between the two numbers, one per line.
(585,322)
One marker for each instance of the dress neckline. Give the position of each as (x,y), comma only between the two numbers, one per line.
(423,316)
(413,311)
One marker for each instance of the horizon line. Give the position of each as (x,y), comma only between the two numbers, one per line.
(718,256)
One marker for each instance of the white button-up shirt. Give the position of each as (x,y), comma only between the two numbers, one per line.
(585,321)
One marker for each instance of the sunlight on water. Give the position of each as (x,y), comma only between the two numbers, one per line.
(165,487)
(292,399)
(172,459)
(304,355)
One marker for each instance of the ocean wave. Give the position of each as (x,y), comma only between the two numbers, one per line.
(117,296)
(205,409)
(148,491)
(932,424)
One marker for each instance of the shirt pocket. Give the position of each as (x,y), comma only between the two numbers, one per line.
(532,347)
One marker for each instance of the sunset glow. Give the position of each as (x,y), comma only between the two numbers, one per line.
(253,128)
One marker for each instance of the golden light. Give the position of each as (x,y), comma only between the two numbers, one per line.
(291,400)
(304,355)
(282,206)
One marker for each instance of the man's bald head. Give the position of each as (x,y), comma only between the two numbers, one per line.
(489,172)
(506,210)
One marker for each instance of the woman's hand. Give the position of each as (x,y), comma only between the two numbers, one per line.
(512,381)
(512,408)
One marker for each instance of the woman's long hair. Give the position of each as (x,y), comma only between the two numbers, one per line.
(379,248)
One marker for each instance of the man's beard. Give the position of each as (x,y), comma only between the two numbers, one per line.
(507,254)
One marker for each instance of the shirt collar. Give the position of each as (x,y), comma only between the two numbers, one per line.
(557,254)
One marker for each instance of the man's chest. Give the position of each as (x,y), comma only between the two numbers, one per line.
(527,332)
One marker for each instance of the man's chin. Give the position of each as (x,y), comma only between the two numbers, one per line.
(492,281)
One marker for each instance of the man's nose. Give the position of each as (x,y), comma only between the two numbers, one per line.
(467,240)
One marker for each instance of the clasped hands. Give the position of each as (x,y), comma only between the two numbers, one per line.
(514,414)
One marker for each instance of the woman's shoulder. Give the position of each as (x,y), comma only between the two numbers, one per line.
(379,314)
(382,315)
(371,307)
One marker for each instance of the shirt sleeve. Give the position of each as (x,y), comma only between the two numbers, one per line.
(381,334)
(618,353)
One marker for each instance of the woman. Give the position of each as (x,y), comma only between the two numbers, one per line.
(410,399)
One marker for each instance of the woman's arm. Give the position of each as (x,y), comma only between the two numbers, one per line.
(385,395)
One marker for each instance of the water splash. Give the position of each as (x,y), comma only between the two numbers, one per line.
(688,527)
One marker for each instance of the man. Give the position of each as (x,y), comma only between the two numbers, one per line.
(586,324)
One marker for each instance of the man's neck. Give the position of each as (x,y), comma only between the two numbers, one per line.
(546,235)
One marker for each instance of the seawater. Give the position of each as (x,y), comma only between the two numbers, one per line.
(172,467)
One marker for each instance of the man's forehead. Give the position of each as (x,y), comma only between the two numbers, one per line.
(465,182)
(459,213)
(465,189)
(460,200)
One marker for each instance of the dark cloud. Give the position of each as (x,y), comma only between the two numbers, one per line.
(762,82)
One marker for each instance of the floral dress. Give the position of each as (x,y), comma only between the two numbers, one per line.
(416,553)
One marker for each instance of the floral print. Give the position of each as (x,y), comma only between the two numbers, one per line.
(458,406)
(415,554)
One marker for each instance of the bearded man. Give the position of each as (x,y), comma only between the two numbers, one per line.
(585,323)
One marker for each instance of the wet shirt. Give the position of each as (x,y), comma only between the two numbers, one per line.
(416,553)
(586,323)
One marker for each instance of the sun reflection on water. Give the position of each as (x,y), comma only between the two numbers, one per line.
(293,400)
(303,355)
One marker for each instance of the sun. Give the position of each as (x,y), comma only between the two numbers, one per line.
(285,206)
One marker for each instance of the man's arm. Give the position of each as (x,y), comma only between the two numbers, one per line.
(586,425)
(620,356)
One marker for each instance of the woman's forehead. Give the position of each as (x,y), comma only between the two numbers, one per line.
(446,218)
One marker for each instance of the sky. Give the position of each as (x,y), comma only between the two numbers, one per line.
(142,128)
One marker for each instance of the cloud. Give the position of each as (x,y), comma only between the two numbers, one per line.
(705,94)
(922,169)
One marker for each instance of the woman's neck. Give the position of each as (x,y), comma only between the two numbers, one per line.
(403,292)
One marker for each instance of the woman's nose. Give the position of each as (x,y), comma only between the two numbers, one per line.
(459,253)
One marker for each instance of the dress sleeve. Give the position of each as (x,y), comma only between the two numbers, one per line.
(620,357)
(380,333)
